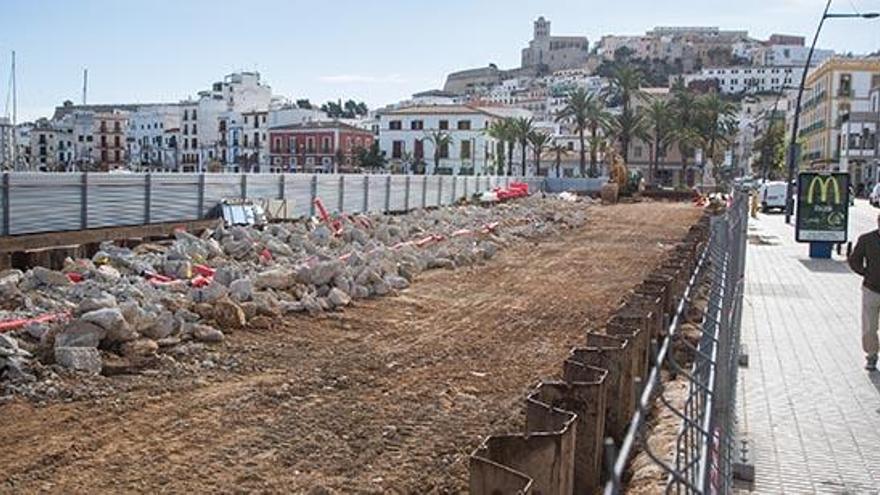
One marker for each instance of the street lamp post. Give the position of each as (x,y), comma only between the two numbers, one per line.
(792,159)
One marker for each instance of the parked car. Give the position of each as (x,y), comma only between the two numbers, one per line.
(772,196)
(874,196)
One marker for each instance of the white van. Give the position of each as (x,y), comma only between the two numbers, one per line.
(772,195)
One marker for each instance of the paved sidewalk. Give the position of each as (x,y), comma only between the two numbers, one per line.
(810,412)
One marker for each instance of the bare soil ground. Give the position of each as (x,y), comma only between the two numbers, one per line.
(389,396)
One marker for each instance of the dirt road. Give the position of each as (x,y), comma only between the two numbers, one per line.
(388,397)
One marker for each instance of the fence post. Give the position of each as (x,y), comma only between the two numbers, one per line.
(366,193)
(453,198)
(244,185)
(314,194)
(6,202)
(341,193)
(387,194)
(201,189)
(84,202)
(440,190)
(424,191)
(406,195)
(148,195)
(282,185)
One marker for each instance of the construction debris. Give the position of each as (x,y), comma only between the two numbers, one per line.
(132,303)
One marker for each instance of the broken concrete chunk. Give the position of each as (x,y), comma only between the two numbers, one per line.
(86,359)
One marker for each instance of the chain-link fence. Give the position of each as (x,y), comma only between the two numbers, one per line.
(705,444)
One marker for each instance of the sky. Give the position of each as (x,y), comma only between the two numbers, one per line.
(378,51)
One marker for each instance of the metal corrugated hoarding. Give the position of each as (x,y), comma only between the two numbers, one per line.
(416,191)
(117,200)
(432,191)
(398,193)
(4,178)
(44,202)
(174,197)
(298,189)
(217,188)
(354,189)
(378,190)
(328,191)
(263,186)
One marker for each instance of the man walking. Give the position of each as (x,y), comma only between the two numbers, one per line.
(865,260)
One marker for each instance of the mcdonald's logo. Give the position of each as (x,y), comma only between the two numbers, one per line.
(824,184)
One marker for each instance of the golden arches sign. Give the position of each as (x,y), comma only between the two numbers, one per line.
(824,183)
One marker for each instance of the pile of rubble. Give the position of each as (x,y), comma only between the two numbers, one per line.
(132,304)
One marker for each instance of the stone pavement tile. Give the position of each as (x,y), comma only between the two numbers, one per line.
(812,415)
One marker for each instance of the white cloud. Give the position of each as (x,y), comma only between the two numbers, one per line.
(363,79)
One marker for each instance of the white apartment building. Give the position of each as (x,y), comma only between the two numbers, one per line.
(747,79)
(203,139)
(404,136)
(148,146)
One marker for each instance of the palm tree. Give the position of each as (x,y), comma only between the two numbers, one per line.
(717,116)
(558,150)
(658,120)
(625,87)
(524,127)
(440,139)
(686,130)
(499,130)
(586,112)
(505,132)
(539,142)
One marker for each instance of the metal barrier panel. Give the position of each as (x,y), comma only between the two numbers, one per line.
(263,186)
(45,202)
(217,188)
(353,193)
(416,191)
(398,193)
(298,191)
(174,197)
(432,190)
(4,217)
(115,200)
(328,191)
(378,190)
(555,185)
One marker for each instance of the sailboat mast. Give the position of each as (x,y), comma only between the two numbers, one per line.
(14,117)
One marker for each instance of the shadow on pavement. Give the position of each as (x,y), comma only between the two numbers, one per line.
(826,266)
(874,376)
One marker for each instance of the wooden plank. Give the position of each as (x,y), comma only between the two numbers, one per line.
(27,242)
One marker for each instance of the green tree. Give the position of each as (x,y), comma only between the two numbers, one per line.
(304,103)
(717,119)
(539,141)
(624,88)
(371,157)
(585,111)
(501,132)
(524,127)
(658,119)
(439,139)
(558,150)
(771,145)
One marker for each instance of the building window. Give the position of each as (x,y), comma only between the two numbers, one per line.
(195,143)
(310,144)
(195,131)
(325,145)
(186,115)
(194,115)
(397,150)
(464,125)
(465,150)
(394,125)
(417,125)
(277,144)
(444,150)
(444,125)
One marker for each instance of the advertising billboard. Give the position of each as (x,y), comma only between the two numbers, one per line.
(822,207)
